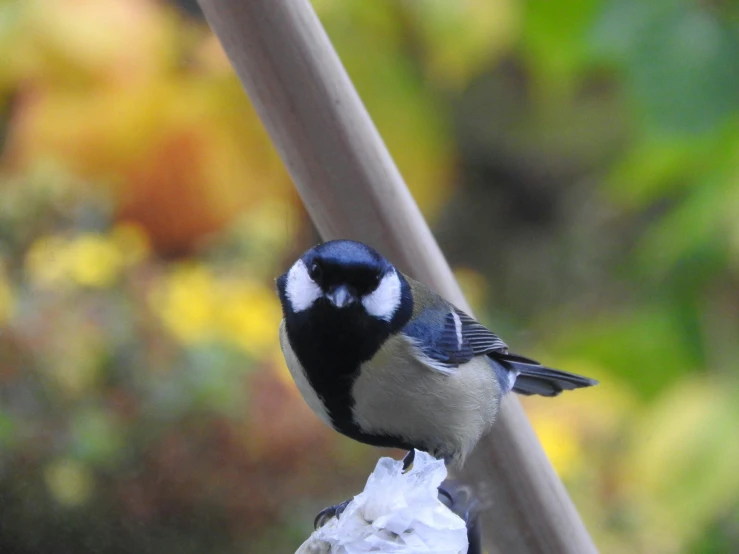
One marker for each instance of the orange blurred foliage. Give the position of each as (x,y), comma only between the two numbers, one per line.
(154,114)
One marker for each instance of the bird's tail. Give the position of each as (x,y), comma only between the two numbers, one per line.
(534,378)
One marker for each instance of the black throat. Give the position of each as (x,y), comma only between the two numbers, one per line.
(332,344)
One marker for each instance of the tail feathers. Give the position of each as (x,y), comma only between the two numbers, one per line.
(536,379)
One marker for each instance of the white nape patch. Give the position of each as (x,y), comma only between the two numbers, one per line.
(428,361)
(383,302)
(457,328)
(300,289)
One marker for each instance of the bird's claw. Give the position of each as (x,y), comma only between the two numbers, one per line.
(408,460)
(325,515)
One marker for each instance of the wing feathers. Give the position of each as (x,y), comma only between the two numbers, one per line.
(442,347)
(443,338)
(534,378)
(479,337)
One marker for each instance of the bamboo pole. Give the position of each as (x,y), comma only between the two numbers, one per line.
(352,189)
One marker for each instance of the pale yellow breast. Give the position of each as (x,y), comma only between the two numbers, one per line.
(398,395)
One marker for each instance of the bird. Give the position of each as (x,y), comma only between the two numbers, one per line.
(386,361)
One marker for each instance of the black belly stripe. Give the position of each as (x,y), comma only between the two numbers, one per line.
(332,345)
(331,350)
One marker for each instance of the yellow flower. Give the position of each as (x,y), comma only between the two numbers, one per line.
(69,482)
(195,306)
(186,303)
(90,259)
(249,316)
(93,260)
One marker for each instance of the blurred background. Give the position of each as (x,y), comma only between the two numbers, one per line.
(144,404)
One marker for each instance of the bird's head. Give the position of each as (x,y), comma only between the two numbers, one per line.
(342,277)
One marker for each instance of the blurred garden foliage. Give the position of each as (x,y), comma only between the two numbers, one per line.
(578,161)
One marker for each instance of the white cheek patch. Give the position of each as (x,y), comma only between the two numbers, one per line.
(300,289)
(383,302)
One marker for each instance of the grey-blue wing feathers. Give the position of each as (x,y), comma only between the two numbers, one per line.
(479,337)
(437,334)
(447,338)
(534,378)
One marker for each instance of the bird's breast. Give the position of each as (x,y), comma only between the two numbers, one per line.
(324,355)
(395,394)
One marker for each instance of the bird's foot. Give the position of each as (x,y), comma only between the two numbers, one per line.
(327,514)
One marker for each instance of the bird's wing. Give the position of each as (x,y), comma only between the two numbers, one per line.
(518,373)
(481,339)
(444,338)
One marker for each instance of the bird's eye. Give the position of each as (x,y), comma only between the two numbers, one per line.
(315,271)
(375,281)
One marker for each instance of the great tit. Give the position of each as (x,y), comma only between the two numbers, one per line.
(386,361)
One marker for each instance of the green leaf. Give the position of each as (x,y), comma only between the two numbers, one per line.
(681,61)
(644,345)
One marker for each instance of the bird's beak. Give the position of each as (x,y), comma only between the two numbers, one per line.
(341,296)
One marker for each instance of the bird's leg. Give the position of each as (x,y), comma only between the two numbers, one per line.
(408,460)
(326,514)
(461,500)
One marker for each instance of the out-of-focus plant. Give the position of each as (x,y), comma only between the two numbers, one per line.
(127,385)
(579,161)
